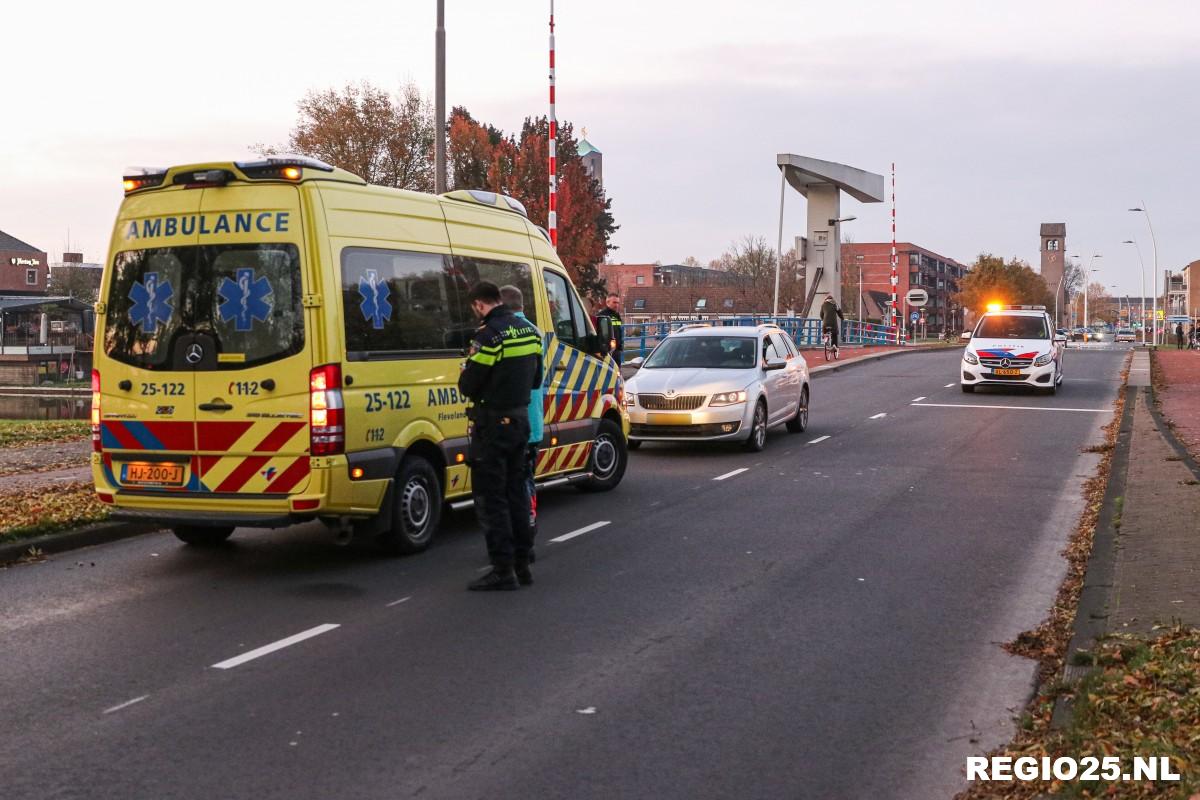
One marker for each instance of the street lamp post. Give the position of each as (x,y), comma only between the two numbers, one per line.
(439,102)
(1142,267)
(1154,252)
(837,232)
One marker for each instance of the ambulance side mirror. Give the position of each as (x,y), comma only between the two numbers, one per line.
(601,343)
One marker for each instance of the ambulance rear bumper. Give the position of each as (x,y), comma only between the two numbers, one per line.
(209,519)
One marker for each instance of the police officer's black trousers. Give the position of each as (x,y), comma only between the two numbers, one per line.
(498,475)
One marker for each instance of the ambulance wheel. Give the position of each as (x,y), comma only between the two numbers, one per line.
(609,457)
(201,536)
(416,508)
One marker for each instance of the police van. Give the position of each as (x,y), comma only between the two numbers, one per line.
(279,341)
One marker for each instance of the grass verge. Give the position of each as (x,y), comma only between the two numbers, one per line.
(23,432)
(1143,700)
(49,510)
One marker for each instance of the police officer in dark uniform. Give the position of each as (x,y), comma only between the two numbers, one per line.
(612,310)
(503,366)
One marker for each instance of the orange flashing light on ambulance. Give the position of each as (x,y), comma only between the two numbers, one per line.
(278,341)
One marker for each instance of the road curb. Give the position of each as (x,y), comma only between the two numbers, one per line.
(1092,608)
(63,541)
(815,371)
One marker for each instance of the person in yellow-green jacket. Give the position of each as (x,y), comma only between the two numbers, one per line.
(503,366)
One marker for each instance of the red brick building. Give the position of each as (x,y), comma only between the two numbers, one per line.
(24,269)
(916,267)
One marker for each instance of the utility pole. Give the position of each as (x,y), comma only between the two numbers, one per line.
(552,216)
(439,102)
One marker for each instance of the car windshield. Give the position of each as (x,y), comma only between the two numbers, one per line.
(704,352)
(1003,326)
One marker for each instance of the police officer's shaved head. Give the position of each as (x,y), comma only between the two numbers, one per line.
(511,296)
(484,292)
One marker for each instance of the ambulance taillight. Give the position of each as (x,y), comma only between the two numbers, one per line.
(96,410)
(326,411)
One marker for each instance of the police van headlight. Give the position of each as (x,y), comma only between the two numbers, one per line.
(1043,360)
(970,357)
(728,398)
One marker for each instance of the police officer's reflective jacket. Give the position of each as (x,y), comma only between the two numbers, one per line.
(504,363)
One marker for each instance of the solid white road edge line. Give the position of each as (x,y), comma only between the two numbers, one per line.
(398,602)
(1011,408)
(731,474)
(126,704)
(581,531)
(880,415)
(818,439)
(271,648)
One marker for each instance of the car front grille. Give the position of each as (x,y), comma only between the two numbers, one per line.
(993,377)
(1014,363)
(658,402)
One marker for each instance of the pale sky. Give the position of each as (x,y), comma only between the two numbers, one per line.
(999,116)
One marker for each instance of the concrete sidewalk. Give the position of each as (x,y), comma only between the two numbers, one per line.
(1156,571)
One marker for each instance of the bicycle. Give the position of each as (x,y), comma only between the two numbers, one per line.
(827,341)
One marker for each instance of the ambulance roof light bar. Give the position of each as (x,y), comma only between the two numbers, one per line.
(487,198)
(282,160)
(143,177)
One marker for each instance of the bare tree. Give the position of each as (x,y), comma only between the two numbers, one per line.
(362,128)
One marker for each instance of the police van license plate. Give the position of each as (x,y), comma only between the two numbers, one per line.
(1006,372)
(144,474)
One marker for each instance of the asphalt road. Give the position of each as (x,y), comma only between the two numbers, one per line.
(825,623)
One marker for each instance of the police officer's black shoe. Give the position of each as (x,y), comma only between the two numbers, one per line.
(498,580)
(524,575)
(532,556)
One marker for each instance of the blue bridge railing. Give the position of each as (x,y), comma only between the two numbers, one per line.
(643,337)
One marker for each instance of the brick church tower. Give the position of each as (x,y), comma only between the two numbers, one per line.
(1054,249)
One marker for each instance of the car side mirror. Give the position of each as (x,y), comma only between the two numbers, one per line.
(965,335)
(773,364)
(637,361)
(604,327)
(1060,338)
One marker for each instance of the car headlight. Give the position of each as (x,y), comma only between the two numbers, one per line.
(728,398)
(970,357)
(630,399)
(1043,360)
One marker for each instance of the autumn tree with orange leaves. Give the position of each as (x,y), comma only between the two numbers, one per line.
(388,140)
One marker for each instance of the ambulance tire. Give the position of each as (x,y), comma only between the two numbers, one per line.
(416,508)
(608,460)
(201,536)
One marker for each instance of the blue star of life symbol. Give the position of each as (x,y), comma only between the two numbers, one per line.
(245,299)
(375,306)
(151,302)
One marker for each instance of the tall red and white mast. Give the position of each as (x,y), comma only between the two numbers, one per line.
(552,223)
(896,320)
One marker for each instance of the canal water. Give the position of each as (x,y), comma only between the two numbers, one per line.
(76,406)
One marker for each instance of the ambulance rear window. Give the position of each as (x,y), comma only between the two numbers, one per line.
(400,304)
(243,300)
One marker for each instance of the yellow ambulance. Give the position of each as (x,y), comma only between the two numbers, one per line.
(279,341)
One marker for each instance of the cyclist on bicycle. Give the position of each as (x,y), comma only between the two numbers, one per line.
(831,320)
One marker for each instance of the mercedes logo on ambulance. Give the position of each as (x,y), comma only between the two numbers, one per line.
(194,353)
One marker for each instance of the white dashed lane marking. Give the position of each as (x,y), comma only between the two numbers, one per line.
(948,386)
(581,531)
(266,649)
(731,474)
(398,602)
(126,704)
(918,399)
(818,439)
(880,415)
